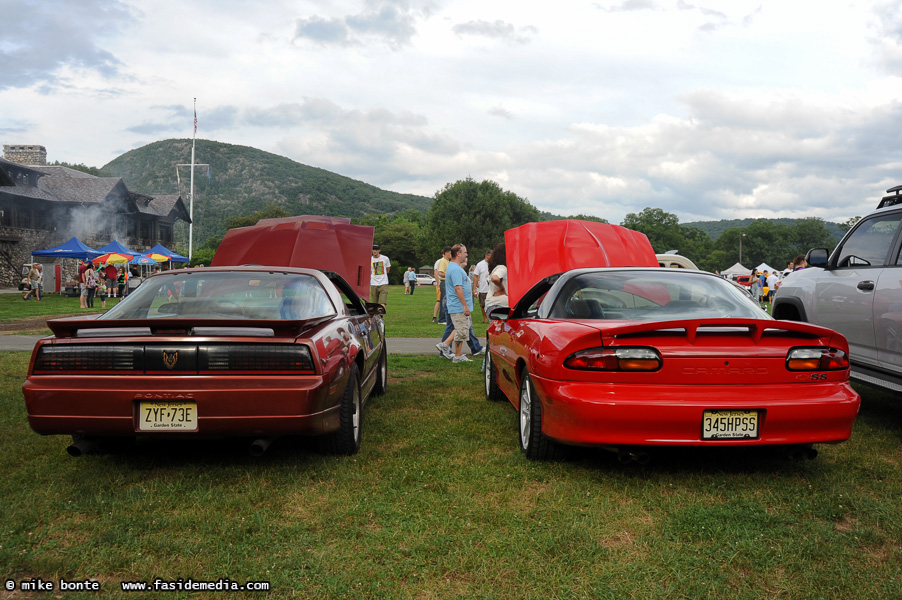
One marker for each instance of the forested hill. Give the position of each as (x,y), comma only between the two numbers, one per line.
(715,228)
(244,180)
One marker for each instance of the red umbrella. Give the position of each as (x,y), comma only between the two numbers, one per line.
(112,258)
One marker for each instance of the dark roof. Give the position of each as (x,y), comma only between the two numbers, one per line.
(66,185)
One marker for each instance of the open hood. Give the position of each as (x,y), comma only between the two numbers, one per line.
(537,250)
(313,242)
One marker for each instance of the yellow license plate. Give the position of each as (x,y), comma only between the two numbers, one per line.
(167,416)
(723,424)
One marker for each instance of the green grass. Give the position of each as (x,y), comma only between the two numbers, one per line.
(440,504)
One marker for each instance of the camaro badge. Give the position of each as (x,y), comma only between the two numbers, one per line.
(170,359)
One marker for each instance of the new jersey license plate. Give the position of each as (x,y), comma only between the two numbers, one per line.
(729,424)
(167,416)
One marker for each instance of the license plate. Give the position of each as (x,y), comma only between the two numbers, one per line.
(729,424)
(167,416)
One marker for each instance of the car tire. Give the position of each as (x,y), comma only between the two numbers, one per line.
(492,392)
(346,440)
(382,373)
(532,442)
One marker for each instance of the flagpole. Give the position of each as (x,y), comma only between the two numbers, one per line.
(191,193)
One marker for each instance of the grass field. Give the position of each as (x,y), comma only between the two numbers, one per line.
(440,504)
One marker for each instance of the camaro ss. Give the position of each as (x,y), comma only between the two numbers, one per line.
(634,357)
(218,351)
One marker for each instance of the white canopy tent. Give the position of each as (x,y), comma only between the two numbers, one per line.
(737,269)
(766,267)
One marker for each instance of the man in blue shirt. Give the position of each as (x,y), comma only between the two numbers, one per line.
(459,298)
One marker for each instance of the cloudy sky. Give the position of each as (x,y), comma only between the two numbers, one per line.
(708,109)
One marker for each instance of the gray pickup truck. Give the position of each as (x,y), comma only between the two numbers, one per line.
(857,291)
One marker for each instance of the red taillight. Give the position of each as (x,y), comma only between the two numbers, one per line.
(615,359)
(816,359)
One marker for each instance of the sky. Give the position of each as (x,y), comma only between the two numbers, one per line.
(706,109)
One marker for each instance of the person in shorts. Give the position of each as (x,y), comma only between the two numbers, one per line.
(380,266)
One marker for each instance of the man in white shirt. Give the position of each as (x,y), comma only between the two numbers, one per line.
(481,283)
(379,276)
(771,287)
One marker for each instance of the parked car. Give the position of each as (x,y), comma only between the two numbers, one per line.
(631,358)
(425,279)
(672,260)
(249,351)
(855,290)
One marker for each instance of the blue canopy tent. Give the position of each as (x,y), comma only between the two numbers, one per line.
(115,246)
(161,249)
(74,248)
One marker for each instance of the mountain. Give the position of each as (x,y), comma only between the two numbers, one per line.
(715,228)
(244,180)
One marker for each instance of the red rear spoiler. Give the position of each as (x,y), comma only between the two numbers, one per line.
(757,328)
(324,243)
(537,250)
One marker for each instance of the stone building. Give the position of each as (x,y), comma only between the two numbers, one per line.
(42,206)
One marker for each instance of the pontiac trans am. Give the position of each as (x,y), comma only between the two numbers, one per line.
(634,357)
(248,351)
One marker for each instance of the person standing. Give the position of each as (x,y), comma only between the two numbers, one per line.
(82,283)
(440,267)
(754,285)
(379,276)
(497,295)
(772,284)
(481,282)
(112,280)
(411,279)
(406,282)
(90,286)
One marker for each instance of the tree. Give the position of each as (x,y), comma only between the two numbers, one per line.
(662,228)
(474,214)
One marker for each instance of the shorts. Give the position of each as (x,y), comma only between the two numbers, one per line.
(438,292)
(482,297)
(379,293)
(82,289)
(462,324)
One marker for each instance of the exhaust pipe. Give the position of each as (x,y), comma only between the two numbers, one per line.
(628,456)
(82,446)
(799,453)
(259,447)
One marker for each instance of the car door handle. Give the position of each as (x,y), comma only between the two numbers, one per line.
(866,286)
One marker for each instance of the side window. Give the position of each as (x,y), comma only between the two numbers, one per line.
(869,243)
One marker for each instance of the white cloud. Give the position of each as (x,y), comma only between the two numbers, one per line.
(706,109)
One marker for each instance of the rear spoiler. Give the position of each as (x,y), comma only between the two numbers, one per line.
(69,328)
(757,328)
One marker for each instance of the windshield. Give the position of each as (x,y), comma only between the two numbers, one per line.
(225,295)
(651,296)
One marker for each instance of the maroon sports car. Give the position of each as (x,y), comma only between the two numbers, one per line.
(258,351)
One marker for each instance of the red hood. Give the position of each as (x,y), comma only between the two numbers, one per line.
(537,250)
(313,242)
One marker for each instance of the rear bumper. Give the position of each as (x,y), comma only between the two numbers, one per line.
(227,405)
(631,414)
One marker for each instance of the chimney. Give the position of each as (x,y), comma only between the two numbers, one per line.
(29,155)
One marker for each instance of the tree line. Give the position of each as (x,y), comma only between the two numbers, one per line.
(478,213)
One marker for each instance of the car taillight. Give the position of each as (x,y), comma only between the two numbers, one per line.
(73,358)
(257,357)
(615,359)
(816,359)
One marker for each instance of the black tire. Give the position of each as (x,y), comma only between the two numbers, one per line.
(492,392)
(532,442)
(346,440)
(382,372)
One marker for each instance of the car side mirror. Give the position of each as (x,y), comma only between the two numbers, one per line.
(499,313)
(374,308)
(817,257)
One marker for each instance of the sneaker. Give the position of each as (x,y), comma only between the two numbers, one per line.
(461,358)
(444,349)
(442,323)
(480,352)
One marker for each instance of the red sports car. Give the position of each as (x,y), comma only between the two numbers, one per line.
(635,357)
(220,351)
